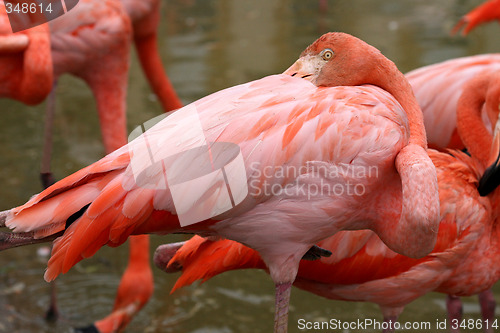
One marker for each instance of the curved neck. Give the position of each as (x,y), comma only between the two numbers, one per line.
(37,78)
(147,49)
(470,125)
(389,78)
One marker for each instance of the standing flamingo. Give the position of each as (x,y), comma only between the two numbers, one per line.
(447,78)
(362,268)
(341,105)
(438,88)
(144,16)
(92,42)
(488,11)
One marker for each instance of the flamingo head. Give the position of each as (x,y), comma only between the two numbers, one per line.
(339,59)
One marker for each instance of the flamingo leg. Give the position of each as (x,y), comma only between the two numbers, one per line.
(391,315)
(455,310)
(47,179)
(52,313)
(488,304)
(46,175)
(283,291)
(147,50)
(390,320)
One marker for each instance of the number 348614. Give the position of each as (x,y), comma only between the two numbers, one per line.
(24,8)
(474,324)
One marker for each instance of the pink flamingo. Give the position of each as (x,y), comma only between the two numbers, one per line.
(362,268)
(92,42)
(438,87)
(325,111)
(449,78)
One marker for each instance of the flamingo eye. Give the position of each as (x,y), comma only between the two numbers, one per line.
(326,54)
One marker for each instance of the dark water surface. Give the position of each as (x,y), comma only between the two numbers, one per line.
(207,45)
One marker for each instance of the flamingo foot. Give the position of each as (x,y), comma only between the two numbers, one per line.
(52,313)
(283,291)
(455,310)
(87,329)
(315,253)
(164,253)
(488,304)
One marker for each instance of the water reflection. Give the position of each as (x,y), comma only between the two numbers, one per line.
(207,45)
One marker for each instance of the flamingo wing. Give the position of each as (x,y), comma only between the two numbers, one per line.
(276,121)
(360,257)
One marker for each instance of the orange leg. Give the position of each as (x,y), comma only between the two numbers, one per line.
(134,291)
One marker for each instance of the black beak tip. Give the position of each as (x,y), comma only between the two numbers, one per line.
(490,180)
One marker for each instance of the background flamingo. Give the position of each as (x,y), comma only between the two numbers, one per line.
(144,16)
(324,64)
(362,268)
(92,42)
(460,70)
(438,87)
(449,79)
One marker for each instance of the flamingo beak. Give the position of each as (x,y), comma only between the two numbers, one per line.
(491,177)
(306,67)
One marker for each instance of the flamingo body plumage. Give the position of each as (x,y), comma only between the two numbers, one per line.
(362,268)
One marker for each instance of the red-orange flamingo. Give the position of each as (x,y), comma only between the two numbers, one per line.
(438,87)
(92,41)
(341,105)
(362,268)
(144,16)
(488,11)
